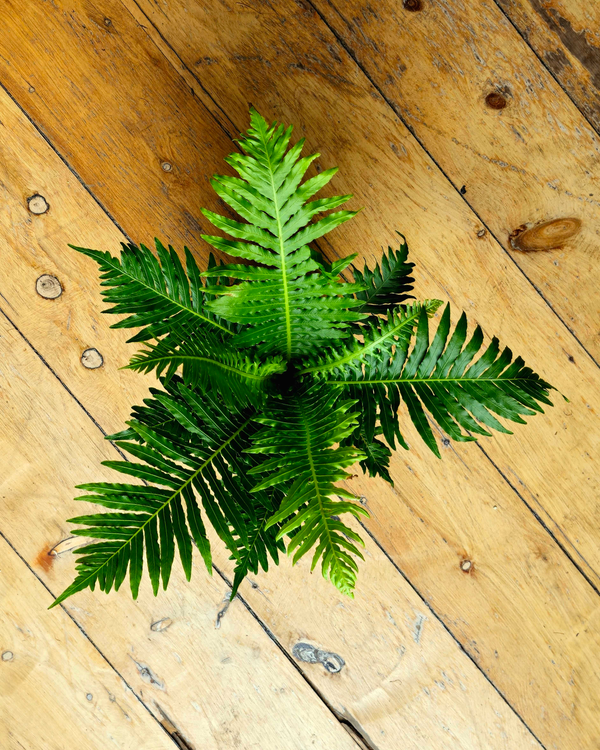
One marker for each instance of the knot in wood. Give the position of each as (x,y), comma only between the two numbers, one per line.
(550,235)
(496,100)
(38,204)
(48,287)
(92,359)
(333,663)
(412,5)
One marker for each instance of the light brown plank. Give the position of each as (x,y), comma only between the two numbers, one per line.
(56,690)
(375,634)
(526,164)
(415,197)
(564,34)
(218,687)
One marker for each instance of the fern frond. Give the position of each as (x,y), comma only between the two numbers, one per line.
(380,337)
(197,469)
(210,363)
(290,305)
(387,285)
(460,396)
(156,294)
(299,433)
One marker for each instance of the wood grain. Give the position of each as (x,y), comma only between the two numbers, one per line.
(564,35)
(527,162)
(323,92)
(367,692)
(220,688)
(47,663)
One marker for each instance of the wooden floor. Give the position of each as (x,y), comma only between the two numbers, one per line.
(460,124)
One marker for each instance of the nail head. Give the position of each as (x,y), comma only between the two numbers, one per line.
(92,359)
(7,656)
(89,696)
(166,166)
(48,287)
(466,565)
(37,204)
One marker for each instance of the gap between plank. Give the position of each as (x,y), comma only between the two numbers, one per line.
(78,626)
(548,70)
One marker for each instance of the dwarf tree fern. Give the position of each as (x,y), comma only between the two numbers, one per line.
(276,375)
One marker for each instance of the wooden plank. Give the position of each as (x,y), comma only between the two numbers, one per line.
(563,34)
(217,687)
(47,663)
(450,224)
(367,692)
(500,127)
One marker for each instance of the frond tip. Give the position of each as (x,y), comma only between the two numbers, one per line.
(299,433)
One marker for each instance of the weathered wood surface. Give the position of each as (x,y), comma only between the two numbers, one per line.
(501,128)
(520,582)
(401,682)
(564,35)
(56,689)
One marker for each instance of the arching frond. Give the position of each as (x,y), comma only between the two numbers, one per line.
(460,395)
(156,294)
(299,432)
(208,362)
(193,467)
(289,305)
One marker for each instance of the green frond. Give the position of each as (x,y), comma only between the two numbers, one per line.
(156,294)
(387,285)
(440,382)
(300,432)
(290,305)
(208,362)
(193,467)
(380,336)
(377,455)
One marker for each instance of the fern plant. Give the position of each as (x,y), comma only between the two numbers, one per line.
(276,376)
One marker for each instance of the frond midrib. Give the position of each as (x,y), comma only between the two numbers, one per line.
(364,349)
(286,294)
(191,358)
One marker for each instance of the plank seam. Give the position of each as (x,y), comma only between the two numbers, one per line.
(411,130)
(39,130)
(542,523)
(87,637)
(543,64)
(339,717)
(451,634)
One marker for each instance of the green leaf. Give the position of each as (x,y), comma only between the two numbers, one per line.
(150,517)
(154,293)
(439,382)
(292,307)
(299,433)
(389,284)
(206,361)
